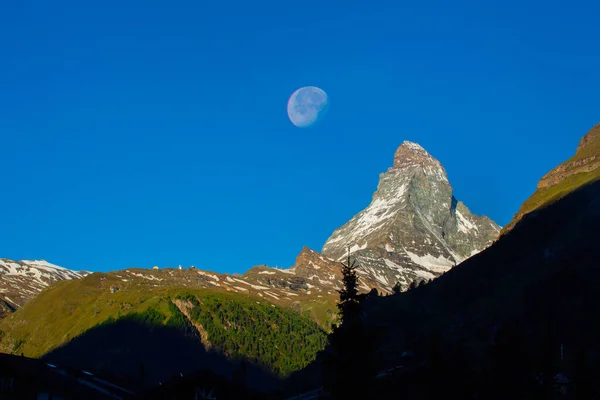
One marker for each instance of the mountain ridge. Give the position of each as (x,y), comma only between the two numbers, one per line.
(582,168)
(21,281)
(414,228)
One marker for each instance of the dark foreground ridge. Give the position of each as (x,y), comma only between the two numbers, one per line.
(515,321)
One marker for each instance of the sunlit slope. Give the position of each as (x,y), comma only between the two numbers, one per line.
(238,326)
(581,169)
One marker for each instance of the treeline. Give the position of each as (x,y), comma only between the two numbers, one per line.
(276,339)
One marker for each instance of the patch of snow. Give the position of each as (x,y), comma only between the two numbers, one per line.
(272,295)
(464,225)
(257,287)
(389,248)
(241,288)
(285,271)
(424,274)
(435,264)
(12,301)
(215,277)
(356,248)
(392,265)
(266,273)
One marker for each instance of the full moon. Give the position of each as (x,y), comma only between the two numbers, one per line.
(306,106)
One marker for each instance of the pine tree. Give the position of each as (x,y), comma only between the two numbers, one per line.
(397,289)
(348,305)
(413,285)
(348,371)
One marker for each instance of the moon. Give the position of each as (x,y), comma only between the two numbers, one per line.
(306,106)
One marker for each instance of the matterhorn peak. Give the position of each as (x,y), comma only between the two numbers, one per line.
(413,228)
(410,153)
(412,146)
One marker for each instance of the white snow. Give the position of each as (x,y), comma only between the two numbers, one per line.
(257,287)
(356,248)
(148,277)
(377,213)
(272,295)
(392,264)
(315,266)
(424,274)
(241,288)
(464,225)
(214,277)
(436,264)
(285,271)
(380,278)
(413,146)
(389,248)
(12,301)
(266,273)
(43,264)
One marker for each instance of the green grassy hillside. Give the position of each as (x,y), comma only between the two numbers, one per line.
(570,178)
(240,327)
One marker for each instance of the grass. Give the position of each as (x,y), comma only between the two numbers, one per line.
(544,197)
(550,194)
(68,309)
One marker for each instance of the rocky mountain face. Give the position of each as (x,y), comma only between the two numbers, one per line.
(579,170)
(414,228)
(20,281)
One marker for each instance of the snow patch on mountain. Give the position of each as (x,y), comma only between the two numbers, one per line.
(437,264)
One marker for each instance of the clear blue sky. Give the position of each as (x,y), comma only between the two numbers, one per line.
(141,133)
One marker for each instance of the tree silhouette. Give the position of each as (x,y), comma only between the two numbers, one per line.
(413,285)
(349,306)
(397,289)
(348,368)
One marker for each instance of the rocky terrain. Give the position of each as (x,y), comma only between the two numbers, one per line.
(21,281)
(579,170)
(414,228)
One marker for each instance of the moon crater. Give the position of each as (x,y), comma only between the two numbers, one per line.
(306,106)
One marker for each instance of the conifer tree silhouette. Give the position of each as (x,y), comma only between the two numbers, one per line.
(348,369)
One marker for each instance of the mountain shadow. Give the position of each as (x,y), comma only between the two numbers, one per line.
(515,321)
(138,349)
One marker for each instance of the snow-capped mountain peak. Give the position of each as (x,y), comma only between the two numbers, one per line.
(20,281)
(413,228)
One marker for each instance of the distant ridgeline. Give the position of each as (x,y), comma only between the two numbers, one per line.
(274,319)
(63,322)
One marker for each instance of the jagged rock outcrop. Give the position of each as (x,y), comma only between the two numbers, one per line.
(586,159)
(579,170)
(414,228)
